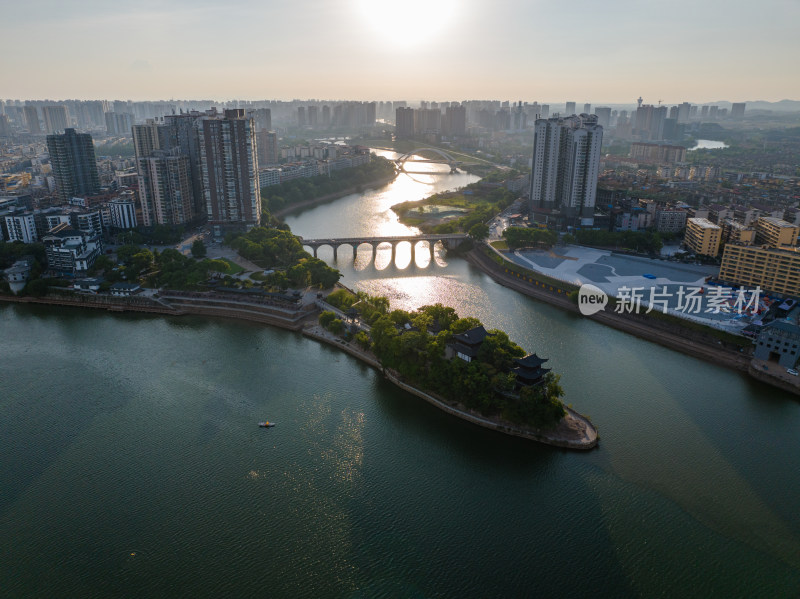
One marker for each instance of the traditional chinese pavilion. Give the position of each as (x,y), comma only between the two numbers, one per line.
(466,345)
(529,370)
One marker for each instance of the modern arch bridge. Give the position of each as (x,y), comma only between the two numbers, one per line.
(442,157)
(449,241)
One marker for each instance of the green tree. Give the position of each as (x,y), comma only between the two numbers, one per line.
(199,249)
(479,231)
(326,317)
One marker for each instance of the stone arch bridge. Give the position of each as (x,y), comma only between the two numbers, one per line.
(449,241)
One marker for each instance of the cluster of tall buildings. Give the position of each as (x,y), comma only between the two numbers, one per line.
(426,121)
(199,165)
(350,115)
(565,168)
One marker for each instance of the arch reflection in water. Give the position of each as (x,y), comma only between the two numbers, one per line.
(401,253)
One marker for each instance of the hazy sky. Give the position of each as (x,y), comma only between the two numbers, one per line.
(602,52)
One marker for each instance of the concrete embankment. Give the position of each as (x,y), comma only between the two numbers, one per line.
(673,340)
(332,196)
(175,306)
(573,432)
(774,375)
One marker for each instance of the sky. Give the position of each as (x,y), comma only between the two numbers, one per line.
(601,52)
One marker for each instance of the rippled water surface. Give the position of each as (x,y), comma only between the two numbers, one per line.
(131,463)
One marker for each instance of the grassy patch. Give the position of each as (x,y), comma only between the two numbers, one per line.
(233,268)
(500,245)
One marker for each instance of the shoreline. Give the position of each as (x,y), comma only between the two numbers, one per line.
(567,438)
(717,355)
(332,196)
(563,436)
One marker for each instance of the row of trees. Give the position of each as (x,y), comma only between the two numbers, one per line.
(169,268)
(413,343)
(640,241)
(518,237)
(277,197)
(155,235)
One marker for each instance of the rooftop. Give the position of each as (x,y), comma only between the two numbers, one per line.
(777,222)
(703,223)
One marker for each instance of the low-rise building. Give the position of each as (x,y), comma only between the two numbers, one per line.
(775,232)
(125,289)
(658,153)
(69,251)
(466,345)
(123,211)
(670,220)
(21,227)
(703,237)
(18,273)
(736,232)
(778,342)
(772,269)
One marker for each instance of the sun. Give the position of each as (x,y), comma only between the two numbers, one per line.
(406,23)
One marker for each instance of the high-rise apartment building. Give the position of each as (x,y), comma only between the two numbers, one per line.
(32,118)
(649,123)
(74,165)
(603,116)
(267,144)
(5,126)
(118,123)
(569,109)
(229,167)
(263,119)
(56,119)
(566,164)
(166,188)
(180,132)
(404,122)
(456,120)
(737,110)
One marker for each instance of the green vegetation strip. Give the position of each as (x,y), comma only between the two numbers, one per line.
(415,345)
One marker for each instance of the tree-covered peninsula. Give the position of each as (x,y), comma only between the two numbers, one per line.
(430,349)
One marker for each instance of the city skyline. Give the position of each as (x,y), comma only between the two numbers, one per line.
(437,49)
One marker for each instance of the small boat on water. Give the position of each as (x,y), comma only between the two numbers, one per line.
(266,424)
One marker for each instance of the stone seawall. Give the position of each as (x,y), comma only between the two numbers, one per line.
(293,321)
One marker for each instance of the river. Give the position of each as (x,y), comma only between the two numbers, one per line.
(709,144)
(131,464)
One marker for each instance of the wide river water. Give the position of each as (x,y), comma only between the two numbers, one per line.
(131,464)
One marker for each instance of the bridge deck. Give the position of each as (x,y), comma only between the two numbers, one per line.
(390,239)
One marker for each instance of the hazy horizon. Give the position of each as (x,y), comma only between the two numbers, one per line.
(420,49)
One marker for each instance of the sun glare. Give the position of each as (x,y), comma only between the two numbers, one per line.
(407,23)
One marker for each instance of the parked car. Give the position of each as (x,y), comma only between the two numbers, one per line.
(791,371)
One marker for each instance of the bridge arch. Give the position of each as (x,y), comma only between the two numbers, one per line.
(444,155)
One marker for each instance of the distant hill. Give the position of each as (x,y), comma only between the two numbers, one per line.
(782,106)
